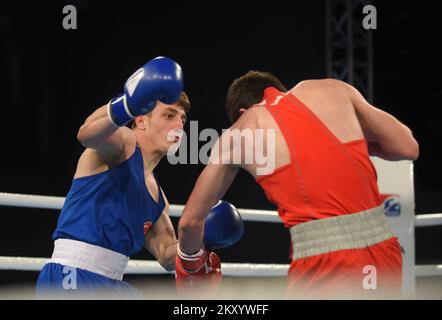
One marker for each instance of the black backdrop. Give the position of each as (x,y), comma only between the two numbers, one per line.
(51,79)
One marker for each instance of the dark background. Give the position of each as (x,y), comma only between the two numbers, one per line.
(51,79)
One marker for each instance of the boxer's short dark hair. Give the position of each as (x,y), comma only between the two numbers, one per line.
(184,102)
(248,90)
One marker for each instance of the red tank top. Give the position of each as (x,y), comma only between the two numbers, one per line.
(325,177)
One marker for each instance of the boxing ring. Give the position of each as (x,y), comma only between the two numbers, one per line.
(395,180)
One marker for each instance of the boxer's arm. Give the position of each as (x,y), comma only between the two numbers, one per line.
(100,134)
(387,137)
(210,187)
(161,241)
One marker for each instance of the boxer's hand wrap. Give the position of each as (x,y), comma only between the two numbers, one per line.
(201,271)
(193,263)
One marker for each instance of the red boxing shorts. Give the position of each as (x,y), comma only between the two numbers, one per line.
(348,256)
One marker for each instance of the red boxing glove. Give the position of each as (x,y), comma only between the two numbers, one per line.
(199,273)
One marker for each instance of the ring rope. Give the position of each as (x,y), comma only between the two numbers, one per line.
(229,269)
(153,267)
(51,202)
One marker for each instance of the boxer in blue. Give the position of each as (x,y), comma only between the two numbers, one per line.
(115,204)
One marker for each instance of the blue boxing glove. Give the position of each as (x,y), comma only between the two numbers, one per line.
(159,79)
(223,227)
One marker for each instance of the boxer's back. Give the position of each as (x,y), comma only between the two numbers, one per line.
(326,98)
(322,166)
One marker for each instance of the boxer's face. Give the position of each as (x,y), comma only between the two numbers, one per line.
(164,125)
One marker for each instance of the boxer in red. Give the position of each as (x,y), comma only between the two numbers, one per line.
(322,181)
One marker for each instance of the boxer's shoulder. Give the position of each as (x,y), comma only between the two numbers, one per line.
(316,86)
(252,118)
(94,161)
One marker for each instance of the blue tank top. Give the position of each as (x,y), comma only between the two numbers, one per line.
(112,209)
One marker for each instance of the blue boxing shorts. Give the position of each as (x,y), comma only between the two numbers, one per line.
(78,270)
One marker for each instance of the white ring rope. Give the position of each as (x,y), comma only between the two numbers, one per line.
(51,202)
(153,267)
(428,219)
(229,269)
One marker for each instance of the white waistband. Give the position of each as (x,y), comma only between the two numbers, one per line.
(89,257)
(350,231)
